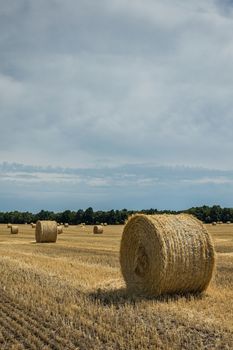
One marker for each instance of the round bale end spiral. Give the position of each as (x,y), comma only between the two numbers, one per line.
(165,254)
(46,231)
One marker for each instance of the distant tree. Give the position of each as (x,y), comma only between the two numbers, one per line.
(215,213)
(66,216)
(45,215)
(88,216)
(79,217)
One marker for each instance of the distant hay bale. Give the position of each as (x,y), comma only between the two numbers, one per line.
(46,231)
(214,223)
(66,225)
(83,224)
(228,222)
(98,229)
(164,254)
(105,224)
(102,224)
(9,225)
(14,229)
(59,230)
(33,225)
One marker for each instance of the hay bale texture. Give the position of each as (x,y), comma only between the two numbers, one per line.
(98,229)
(46,231)
(14,229)
(164,254)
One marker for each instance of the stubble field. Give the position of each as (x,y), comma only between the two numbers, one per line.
(71,295)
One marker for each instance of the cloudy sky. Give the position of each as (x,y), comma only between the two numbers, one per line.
(115,104)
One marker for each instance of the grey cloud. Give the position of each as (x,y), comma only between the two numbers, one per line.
(225,7)
(116,82)
(74,27)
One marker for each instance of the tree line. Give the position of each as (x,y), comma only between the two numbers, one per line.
(112,217)
(212,214)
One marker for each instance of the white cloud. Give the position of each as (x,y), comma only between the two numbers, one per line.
(25,187)
(208,180)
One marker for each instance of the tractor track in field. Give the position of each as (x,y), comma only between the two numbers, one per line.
(28,329)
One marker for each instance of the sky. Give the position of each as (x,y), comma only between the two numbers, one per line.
(116,104)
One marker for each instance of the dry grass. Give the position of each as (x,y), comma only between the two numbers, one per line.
(71,295)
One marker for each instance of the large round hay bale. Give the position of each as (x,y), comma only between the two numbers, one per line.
(214,223)
(164,254)
(9,225)
(14,229)
(105,224)
(46,231)
(66,224)
(98,229)
(59,230)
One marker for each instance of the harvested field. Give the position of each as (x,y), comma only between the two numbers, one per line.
(71,295)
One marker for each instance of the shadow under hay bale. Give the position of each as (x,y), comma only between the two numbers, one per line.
(14,230)
(97,229)
(165,254)
(118,297)
(46,232)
